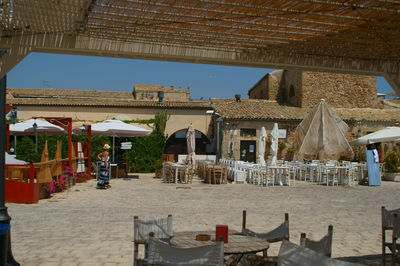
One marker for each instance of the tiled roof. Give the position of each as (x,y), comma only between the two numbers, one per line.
(62,93)
(58,97)
(140,87)
(254,109)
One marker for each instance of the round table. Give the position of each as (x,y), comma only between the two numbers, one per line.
(237,244)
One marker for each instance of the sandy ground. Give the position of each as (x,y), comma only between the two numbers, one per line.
(85,226)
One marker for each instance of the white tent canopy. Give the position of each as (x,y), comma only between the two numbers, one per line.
(321,135)
(387,134)
(43,127)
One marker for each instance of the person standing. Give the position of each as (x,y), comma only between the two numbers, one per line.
(103,177)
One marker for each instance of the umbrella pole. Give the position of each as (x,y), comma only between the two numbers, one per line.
(4,217)
(113,148)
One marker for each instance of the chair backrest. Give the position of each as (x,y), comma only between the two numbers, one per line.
(162,228)
(160,253)
(387,217)
(278,234)
(291,254)
(323,246)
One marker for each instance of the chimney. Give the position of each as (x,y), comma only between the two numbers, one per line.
(237,97)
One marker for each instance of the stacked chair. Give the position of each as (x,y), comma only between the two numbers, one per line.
(388,221)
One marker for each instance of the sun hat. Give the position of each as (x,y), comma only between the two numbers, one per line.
(106,146)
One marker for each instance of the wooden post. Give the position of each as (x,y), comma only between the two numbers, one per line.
(244,220)
(89,133)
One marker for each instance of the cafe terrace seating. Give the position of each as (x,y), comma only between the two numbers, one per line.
(161,253)
(323,246)
(161,229)
(211,173)
(388,226)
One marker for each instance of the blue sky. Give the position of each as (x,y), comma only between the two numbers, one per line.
(98,73)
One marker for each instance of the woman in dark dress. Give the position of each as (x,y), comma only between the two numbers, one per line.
(103,179)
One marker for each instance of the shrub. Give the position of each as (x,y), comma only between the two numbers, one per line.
(392,162)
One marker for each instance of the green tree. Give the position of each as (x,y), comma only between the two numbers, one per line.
(160,122)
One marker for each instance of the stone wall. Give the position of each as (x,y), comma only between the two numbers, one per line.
(291,88)
(305,89)
(339,90)
(268,87)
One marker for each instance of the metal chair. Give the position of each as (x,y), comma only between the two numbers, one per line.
(161,253)
(387,225)
(161,229)
(323,246)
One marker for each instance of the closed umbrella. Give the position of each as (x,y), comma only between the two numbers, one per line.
(261,146)
(274,145)
(191,146)
(321,135)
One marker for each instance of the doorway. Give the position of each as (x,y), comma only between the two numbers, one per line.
(248,150)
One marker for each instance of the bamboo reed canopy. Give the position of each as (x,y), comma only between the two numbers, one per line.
(329,35)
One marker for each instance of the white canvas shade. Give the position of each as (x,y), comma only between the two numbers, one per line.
(43,127)
(387,134)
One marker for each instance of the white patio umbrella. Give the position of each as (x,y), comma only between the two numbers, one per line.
(274,144)
(261,146)
(43,127)
(191,146)
(116,128)
(386,134)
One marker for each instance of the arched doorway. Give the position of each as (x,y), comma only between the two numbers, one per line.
(176,144)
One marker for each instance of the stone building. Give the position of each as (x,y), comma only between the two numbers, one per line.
(88,106)
(151,93)
(240,123)
(305,89)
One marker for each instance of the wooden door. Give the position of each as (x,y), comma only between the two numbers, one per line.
(248,150)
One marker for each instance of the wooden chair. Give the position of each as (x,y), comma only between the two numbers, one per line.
(161,229)
(323,246)
(387,226)
(395,237)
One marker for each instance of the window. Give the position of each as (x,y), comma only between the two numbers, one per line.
(291,91)
(246,132)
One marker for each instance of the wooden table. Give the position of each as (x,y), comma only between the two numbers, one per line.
(237,244)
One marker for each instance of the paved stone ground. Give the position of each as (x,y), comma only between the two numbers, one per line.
(85,226)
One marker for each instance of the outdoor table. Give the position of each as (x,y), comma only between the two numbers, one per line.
(237,243)
(278,172)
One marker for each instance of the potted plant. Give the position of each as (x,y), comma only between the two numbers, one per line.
(392,166)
